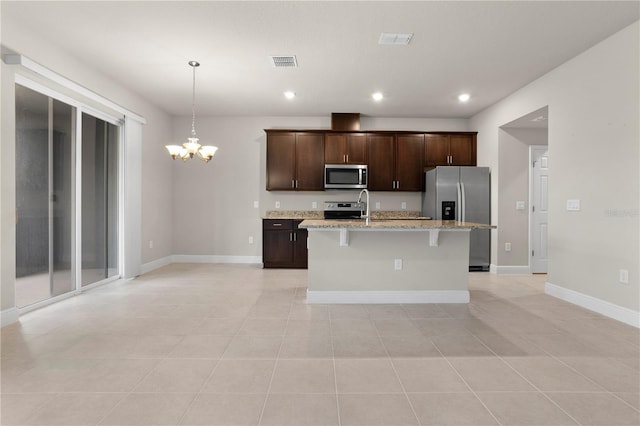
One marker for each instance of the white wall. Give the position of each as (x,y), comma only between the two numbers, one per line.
(593,103)
(213,208)
(156,167)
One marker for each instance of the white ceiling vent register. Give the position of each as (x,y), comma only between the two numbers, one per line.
(284,61)
(395,39)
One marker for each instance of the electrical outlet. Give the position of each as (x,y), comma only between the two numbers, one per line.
(507,246)
(251,240)
(519,205)
(377,205)
(623,276)
(403,205)
(397,264)
(150,243)
(256,204)
(314,204)
(277,204)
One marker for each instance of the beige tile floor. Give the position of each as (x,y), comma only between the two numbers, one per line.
(237,345)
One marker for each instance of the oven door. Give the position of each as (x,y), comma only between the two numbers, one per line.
(345,176)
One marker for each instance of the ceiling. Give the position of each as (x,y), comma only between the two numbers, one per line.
(487,49)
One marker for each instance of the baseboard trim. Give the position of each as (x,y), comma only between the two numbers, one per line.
(377,297)
(512,270)
(608,309)
(155,264)
(189,258)
(9,316)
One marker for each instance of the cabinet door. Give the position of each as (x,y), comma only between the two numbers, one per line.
(437,150)
(281,148)
(462,150)
(334,148)
(300,254)
(277,249)
(356,149)
(381,162)
(410,162)
(309,160)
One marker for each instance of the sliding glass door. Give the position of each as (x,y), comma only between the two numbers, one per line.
(66,222)
(44,197)
(99,199)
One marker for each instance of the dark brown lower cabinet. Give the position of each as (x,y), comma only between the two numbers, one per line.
(284,245)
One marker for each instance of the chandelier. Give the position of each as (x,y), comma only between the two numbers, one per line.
(192,148)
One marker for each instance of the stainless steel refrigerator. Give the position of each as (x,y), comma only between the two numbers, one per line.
(462,194)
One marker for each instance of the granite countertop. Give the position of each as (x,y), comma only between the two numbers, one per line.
(401,224)
(319,214)
(294,214)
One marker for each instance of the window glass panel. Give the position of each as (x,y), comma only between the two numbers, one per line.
(99,199)
(44,172)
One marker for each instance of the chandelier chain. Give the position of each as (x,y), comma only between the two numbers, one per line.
(193,102)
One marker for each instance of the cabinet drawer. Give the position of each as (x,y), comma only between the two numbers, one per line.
(277,224)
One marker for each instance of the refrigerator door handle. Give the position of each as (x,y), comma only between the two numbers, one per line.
(459,202)
(463,207)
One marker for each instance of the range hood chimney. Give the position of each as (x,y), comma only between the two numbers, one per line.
(345,121)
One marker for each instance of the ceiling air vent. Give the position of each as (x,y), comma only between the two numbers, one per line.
(395,39)
(284,62)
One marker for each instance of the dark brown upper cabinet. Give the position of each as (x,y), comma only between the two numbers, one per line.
(295,161)
(345,148)
(396,162)
(450,150)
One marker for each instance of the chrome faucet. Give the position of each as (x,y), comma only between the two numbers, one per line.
(368,214)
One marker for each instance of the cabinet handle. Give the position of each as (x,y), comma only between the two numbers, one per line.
(293,183)
(397,184)
(295,237)
(344,158)
(347,158)
(277,224)
(290,236)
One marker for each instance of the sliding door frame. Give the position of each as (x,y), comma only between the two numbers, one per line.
(76,181)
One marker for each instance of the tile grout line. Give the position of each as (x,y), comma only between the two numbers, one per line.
(527,380)
(612,393)
(215,367)
(386,351)
(465,383)
(275,365)
(333,359)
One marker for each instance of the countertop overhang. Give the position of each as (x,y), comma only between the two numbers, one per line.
(391,224)
(433,227)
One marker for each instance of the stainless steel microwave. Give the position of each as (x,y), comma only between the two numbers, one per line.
(345,176)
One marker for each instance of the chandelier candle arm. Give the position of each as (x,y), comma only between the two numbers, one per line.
(192,147)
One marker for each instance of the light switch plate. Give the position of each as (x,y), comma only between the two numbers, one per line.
(519,205)
(403,205)
(397,264)
(573,205)
(256,204)
(377,205)
(314,204)
(277,204)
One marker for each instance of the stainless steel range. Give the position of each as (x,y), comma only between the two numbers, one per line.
(344,209)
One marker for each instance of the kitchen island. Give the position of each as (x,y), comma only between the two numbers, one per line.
(388,261)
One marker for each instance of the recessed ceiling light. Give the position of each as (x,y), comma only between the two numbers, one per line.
(289,94)
(378,96)
(464,97)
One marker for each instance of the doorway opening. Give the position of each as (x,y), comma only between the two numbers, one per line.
(523,183)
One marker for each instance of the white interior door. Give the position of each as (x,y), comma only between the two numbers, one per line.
(539,207)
